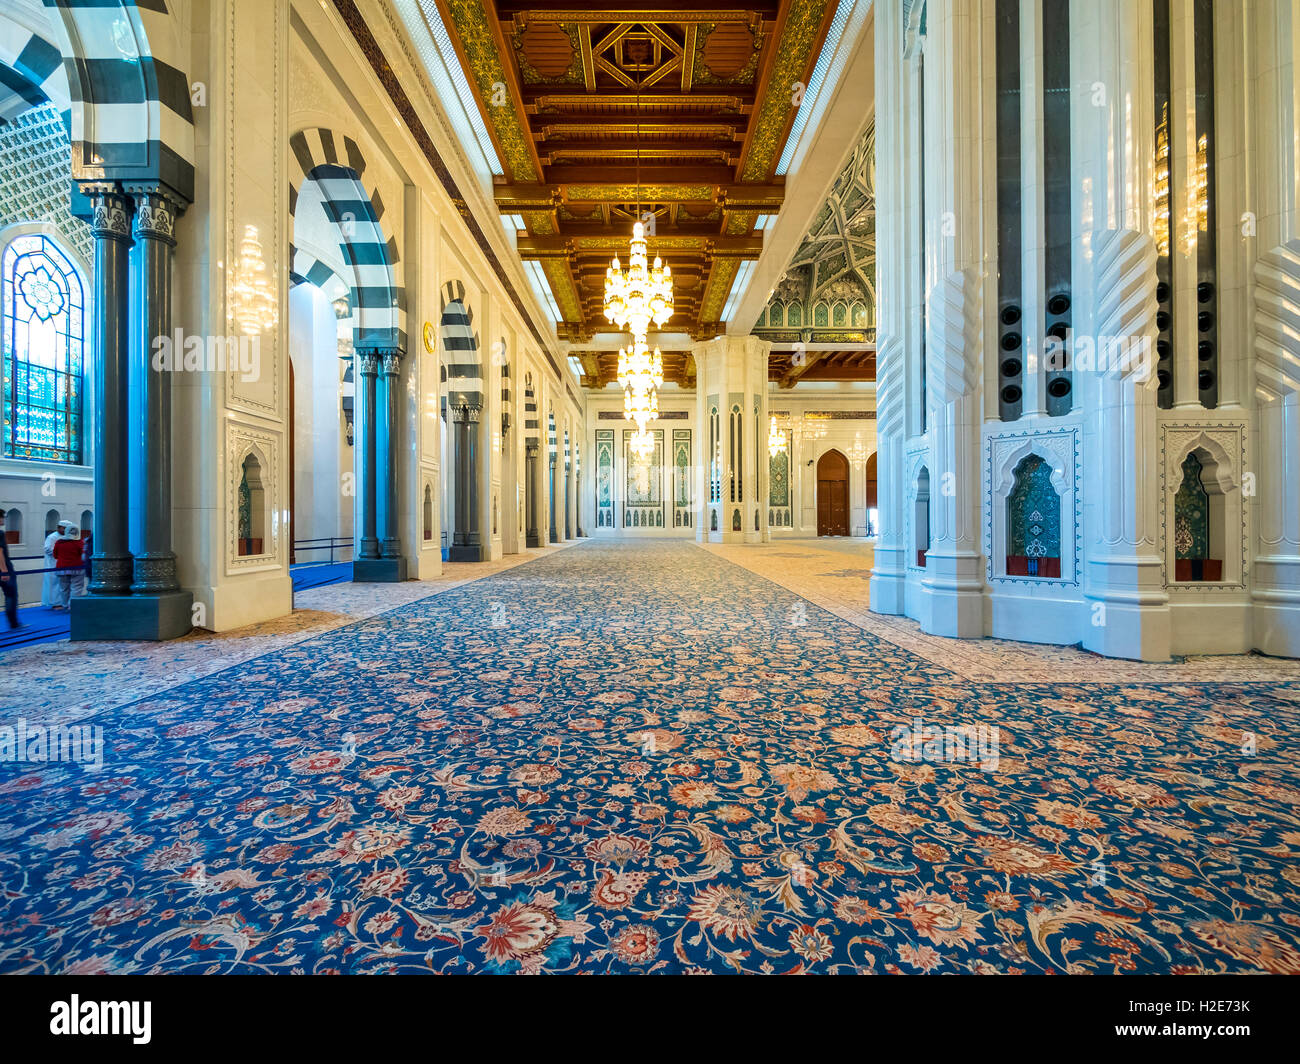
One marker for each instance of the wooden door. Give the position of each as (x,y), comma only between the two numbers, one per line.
(833,495)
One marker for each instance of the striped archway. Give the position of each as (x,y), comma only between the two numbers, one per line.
(31,73)
(462,363)
(462,381)
(370,255)
(124,64)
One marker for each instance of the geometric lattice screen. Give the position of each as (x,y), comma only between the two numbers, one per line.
(35,159)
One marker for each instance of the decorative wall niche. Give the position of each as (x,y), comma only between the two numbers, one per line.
(252,486)
(1033,484)
(1202,515)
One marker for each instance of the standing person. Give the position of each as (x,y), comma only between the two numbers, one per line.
(70,566)
(8,578)
(87,549)
(50,586)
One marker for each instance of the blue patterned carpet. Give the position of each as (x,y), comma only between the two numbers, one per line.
(637,758)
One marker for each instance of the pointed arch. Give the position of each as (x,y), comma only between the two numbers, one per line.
(369,251)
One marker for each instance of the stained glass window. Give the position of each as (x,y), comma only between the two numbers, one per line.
(43,313)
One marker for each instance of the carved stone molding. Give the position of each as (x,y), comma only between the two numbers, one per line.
(890,398)
(1124,266)
(952,355)
(1277,321)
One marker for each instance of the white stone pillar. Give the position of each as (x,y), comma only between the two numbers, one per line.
(1276,594)
(959,140)
(734,369)
(1127,606)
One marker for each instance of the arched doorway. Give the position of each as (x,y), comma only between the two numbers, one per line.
(833,495)
(871,504)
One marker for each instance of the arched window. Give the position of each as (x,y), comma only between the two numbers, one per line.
(52,519)
(428,512)
(43,341)
(14,526)
(1033,521)
(87,522)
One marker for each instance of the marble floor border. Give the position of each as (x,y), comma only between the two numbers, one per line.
(837,580)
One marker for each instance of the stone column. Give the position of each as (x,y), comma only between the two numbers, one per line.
(466,544)
(568,502)
(111,229)
(555,536)
(1127,608)
(531,449)
(387,565)
(154,226)
(1275,52)
(733,369)
(364,443)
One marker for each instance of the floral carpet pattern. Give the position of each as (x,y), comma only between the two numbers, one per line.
(638,757)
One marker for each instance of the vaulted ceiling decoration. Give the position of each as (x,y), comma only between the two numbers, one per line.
(828,293)
(562,90)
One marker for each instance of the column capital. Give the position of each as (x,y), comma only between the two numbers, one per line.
(531,449)
(110,210)
(156,211)
(367,363)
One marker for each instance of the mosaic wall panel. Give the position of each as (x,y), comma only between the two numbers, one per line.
(644,505)
(604,478)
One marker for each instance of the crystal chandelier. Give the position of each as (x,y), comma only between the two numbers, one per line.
(633,300)
(643,294)
(642,444)
(252,299)
(775,440)
(640,375)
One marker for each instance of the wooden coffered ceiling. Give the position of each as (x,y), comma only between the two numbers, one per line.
(564,89)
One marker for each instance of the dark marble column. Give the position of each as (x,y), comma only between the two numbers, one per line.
(387,463)
(530,493)
(154,229)
(568,502)
(555,535)
(139,469)
(466,544)
(110,227)
(381,558)
(364,451)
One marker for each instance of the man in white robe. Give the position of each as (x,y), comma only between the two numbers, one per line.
(50,585)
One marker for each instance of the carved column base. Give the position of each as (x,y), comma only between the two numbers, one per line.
(110,574)
(155,574)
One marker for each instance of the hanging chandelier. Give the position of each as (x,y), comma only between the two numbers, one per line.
(252,298)
(642,444)
(775,440)
(643,294)
(633,301)
(640,375)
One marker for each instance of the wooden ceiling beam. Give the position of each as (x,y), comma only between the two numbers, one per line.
(519,198)
(657,122)
(664,245)
(681,12)
(723,97)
